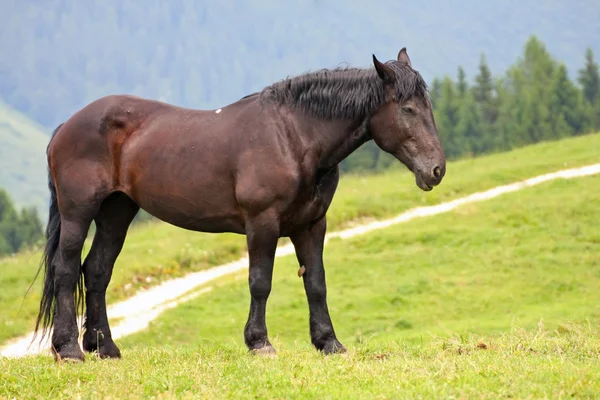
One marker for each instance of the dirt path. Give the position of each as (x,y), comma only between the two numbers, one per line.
(138,311)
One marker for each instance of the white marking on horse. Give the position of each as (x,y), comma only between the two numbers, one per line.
(218,111)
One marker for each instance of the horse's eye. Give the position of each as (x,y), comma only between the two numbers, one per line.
(407,110)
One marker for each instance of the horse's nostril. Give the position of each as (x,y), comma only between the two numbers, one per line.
(437,172)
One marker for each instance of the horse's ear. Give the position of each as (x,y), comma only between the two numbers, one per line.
(403,57)
(384,71)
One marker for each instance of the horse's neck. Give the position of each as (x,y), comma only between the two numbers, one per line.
(339,139)
(334,140)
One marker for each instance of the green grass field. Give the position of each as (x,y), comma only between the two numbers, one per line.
(157,251)
(520,364)
(497,299)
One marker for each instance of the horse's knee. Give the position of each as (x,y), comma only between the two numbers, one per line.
(66,275)
(260,287)
(95,278)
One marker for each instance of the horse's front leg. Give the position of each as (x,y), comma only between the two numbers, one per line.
(262,232)
(309,243)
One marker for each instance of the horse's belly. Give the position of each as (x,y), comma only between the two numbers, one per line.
(204,209)
(209,225)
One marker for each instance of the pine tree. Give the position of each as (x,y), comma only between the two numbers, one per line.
(533,75)
(537,64)
(536,118)
(462,86)
(446,117)
(507,133)
(487,106)
(567,107)
(468,128)
(589,79)
(483,82)
(435,92)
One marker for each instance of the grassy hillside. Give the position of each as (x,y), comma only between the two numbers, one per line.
(23,159)
(496,299)
(157,251)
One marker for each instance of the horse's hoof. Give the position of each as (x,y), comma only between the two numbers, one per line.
(70,360)
(268,351)
(109,350)
(69,354)
(332,347)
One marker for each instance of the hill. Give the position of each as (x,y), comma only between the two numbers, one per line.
(157,251)
(494,299)
(207,54)
(23,166)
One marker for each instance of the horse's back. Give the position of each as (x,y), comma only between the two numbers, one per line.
(102,130)
(192,168)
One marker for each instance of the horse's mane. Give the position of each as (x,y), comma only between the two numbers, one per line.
(343,92)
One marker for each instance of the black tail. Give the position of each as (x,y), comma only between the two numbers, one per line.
(47,303)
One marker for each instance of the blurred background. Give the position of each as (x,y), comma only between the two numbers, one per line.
(502,74)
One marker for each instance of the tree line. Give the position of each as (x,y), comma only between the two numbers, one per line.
(535,100)
(18,229)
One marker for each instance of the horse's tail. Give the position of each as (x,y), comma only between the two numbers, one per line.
(47,304)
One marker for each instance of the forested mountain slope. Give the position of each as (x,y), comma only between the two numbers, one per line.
(56,55)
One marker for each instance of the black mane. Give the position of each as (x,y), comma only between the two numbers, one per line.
(343,92)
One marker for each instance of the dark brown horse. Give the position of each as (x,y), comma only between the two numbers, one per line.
(265,166)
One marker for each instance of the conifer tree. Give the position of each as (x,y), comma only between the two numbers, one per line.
(589,79)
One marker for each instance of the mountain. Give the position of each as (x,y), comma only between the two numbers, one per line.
(23,171)
(58,55)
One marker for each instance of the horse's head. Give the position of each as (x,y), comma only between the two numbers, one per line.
(404,126)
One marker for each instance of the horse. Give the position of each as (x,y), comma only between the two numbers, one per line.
(265,166)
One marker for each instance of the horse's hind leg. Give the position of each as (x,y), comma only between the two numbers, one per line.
(67,263)
(113,220)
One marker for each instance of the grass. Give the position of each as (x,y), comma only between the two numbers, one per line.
(520,364)
(496,299)
(156,251)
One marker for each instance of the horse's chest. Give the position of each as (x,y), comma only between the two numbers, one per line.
(309,206)
(311,201)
